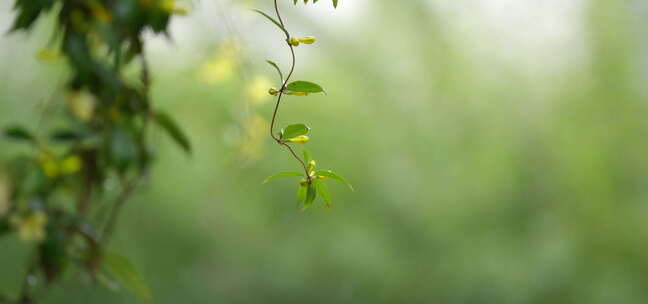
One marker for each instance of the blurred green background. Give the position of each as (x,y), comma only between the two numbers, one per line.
(499,151)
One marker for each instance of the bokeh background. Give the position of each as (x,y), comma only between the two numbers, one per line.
(499,151)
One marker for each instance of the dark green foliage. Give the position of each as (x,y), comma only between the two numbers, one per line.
(106,136)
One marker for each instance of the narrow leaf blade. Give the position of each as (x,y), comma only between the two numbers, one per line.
(19,133)
(323,191)
(126,273)
(301,193)
(282,175)
(272,63)
(173,130)
(311,194)
(307,155)
(273,21)
(330,174)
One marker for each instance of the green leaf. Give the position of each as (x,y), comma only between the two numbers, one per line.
(323,191)
(19,133)
(335,3)
(66,135)
(276,68)
(307,155)
(123,147)
(126,273)
(332,175)
(311,194)
(171,127)
(282,175)
(52,255)
(293,131)
(274,21)
(301,193)
(305,86)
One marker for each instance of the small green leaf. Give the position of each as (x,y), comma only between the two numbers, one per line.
(311,194)
(301,193)
(276,68)
(304,86)
(19,133)
(274,21)
(66,136)
(123,147)
(307,155)
(126,273)
(332,175)
(282,175)
(293,131)
(323,191)
(171,127)
(335,3)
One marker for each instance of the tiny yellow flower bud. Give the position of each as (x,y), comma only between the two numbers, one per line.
(70,165)
(49,165)
(31,227)
(299,139)
(273,91)
(82,104)
(307,40)
(294,41)
(311,166)
(297,93)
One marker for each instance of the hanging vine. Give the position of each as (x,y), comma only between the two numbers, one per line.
(312,183)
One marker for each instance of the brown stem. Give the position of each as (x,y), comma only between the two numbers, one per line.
(281,94)
(114,213)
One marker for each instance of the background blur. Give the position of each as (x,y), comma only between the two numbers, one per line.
(499,150)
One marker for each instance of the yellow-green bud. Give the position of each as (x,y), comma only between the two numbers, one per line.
(294,41)
(307,40)
(311,166)
(297,93)
(273,91)
(299,139)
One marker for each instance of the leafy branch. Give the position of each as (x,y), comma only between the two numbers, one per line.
(105,138)
(311,185)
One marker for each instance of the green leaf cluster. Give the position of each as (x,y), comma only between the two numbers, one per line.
(311,185)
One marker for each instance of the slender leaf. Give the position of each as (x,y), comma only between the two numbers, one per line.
(332,175)
(323,191)
(19,133)
(304,86)
(307,155)
(301,193)
(172,129)
(274,21)
(293,131)
(276,68)
(282,175)
(335,3)
(126,273)
(311,194)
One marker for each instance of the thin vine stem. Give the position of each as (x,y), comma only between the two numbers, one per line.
(281,94)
